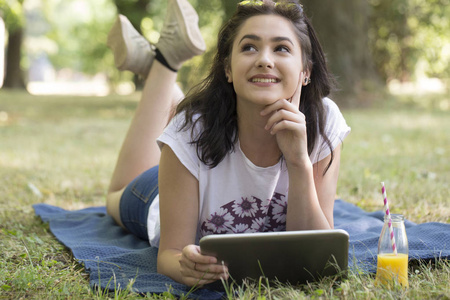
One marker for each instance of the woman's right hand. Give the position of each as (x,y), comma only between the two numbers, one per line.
(197,269)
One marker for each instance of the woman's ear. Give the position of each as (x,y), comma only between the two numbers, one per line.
(307,78)
(228,73)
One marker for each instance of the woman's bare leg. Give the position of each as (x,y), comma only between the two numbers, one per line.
(177,44)
(140,151)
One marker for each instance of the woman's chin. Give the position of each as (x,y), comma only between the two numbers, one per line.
(264,99)
(270,100)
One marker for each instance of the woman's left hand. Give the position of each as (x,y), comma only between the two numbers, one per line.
(288,124)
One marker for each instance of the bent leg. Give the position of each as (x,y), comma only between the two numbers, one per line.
(180,40)
(139,150)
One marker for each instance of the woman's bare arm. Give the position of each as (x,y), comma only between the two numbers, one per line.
(178,257)
(312,194)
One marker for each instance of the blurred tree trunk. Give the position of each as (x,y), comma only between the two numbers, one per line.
(342,27)
(14,74)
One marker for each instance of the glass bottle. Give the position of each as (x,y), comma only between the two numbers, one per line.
(392,265)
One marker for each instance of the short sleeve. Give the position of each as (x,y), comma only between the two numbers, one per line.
(336,129)
(179,140)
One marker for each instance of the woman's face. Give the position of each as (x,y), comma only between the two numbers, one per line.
(266,60)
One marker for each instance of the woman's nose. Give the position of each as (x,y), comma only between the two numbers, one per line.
(264,60)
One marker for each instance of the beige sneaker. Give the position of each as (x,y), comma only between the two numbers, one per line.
(132,52)
(180,37)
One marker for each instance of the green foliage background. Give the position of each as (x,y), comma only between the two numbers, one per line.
(408,38)
(12,13)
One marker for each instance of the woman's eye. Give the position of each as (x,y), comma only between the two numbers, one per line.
(283,49)
(248,48)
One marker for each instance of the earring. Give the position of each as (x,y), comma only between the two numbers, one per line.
(307,80)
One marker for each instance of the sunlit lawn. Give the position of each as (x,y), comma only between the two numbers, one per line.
(61,151)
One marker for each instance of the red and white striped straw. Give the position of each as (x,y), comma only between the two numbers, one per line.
(386,209)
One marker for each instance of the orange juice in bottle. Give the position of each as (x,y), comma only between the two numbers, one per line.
(392,262)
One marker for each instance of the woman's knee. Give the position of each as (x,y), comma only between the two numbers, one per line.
(113,205)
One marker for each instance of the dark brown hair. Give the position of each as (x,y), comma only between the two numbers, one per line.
(214,99)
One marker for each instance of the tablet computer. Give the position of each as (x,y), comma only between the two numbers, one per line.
(290,256)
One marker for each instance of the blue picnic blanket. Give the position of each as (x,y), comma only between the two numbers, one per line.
(114,258)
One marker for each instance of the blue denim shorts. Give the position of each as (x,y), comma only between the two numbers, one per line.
(136,200)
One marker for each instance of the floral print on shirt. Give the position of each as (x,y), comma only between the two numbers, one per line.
(247,215)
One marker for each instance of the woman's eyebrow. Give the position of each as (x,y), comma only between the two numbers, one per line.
(282,38)
(257,38)
(250,36)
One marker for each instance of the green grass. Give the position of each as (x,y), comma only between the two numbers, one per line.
(407,149)
(65,147)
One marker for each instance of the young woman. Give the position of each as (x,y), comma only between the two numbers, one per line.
(256,132)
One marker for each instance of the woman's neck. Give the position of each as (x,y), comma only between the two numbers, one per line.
(258,145)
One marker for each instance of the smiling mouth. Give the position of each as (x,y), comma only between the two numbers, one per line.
(264,80)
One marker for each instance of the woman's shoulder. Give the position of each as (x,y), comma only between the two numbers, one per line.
(182,130)
(335,129)
(335,123)
(184,123)
(329,105)
(178,135)
(331,111)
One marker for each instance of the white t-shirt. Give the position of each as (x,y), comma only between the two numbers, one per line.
(237,196)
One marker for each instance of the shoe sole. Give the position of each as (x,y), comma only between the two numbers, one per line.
(116,41)
(195,40)
(124,40)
